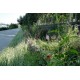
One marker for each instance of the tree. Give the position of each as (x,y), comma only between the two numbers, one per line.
(12,26)
(29,19)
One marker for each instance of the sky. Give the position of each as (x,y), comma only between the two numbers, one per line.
(8,18)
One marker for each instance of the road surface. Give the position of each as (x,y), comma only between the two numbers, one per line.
(6,36)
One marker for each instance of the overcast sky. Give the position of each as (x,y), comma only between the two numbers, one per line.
(8,18)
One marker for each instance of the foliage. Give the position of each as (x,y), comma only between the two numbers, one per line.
(47,53)
(64,51)
(12,26)
(28,19)
(3,28)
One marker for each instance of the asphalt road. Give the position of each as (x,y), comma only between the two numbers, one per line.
(6,37)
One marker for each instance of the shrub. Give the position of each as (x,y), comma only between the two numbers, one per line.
(4,28)
(12,26)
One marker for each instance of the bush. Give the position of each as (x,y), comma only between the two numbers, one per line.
(4,28)
(12,26)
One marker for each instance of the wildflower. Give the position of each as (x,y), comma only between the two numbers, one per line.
(49,56)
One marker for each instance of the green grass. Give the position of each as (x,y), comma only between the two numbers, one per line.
(17,39)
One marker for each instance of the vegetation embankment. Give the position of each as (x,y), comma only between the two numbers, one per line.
(30,48)
(31,53)
(39,52)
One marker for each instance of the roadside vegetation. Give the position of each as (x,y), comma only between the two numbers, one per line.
(30,48)
(11,26)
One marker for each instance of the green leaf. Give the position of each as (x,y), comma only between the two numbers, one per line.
(74,51)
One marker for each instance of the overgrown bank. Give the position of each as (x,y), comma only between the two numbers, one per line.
(42,53)
(31,48)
